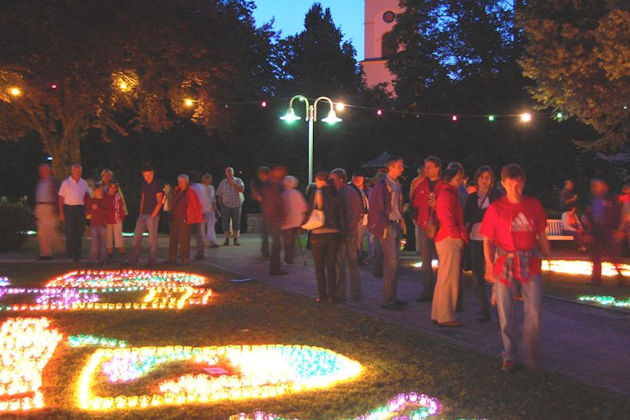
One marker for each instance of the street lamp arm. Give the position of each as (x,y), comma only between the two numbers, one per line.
(306,104)
(321,98)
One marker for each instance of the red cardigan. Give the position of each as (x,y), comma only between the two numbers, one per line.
(450,215)
(194,214)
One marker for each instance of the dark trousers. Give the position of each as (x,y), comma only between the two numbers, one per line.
(604,246)
(264,236)
(276,244)
(289,243)
(179,238)
(478,264)
(325,247)
(75,226)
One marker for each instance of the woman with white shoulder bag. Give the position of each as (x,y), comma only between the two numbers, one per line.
(325,220)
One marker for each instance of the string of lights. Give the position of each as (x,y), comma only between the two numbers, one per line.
(126,85)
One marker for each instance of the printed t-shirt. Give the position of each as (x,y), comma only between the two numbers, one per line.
(515,227)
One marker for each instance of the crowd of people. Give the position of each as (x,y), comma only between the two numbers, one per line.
(603,228)
(483,223)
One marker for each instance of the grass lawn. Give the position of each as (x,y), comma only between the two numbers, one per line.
(395,360)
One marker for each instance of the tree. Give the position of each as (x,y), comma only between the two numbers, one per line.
(578,55)
(317,61)
(69,66)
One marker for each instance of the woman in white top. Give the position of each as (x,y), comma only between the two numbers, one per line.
(294,209)
(475,209)
(571,225)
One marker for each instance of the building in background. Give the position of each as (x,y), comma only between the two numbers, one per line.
(380,18)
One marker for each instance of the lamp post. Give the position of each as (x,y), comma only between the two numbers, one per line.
(311,116)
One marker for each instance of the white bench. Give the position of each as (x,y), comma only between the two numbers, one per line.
(554,231)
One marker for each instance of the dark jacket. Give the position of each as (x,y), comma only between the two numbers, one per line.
(271,202)
(472,213)
(334,213)
(380,205)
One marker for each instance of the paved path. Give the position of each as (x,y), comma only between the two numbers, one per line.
(587,343)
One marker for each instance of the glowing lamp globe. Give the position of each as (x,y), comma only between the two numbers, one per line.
(14,91)
(332,118)
(526,117)
(290,116)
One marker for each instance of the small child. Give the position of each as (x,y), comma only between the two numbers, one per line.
(115,217)
(96,209)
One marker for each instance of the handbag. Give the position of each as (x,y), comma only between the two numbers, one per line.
(315,220)
(431,228)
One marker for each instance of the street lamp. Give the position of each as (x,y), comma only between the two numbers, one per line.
(311,116)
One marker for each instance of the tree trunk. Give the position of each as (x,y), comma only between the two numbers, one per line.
(65,152)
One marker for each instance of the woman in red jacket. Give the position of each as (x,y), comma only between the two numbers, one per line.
(186,211)
(449,242)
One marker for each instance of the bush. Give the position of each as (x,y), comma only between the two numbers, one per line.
(15,220)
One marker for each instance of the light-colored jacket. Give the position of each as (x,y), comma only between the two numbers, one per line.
(294,208)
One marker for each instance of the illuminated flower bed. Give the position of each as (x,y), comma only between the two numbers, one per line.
(100,290)
(606,301)
(26,345)
(410,406)
(583,268)
(211,373)
(573,267)
(126,278)
(87,340)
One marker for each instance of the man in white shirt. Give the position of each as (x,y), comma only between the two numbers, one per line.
(73,193)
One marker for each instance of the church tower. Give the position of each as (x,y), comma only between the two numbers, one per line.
(380,18)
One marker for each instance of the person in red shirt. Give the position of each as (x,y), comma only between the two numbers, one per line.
(97,208)
(423,205)
(449,242)
(186,211)
(514,242)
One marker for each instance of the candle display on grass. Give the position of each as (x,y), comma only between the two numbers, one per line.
(230,373)
(96,290)
(411,406)
(606,301)
(584,268)
(126,278)
(87,340)
(26,344)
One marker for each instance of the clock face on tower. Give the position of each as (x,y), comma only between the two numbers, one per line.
(389,16)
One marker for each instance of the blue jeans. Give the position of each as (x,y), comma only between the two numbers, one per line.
(146,223)
(390,248)
(506,306)
(98,250)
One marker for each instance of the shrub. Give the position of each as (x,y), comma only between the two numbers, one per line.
(15,220)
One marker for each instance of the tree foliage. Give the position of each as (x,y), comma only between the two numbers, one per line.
(317,60)
(578,54)
(121,66)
